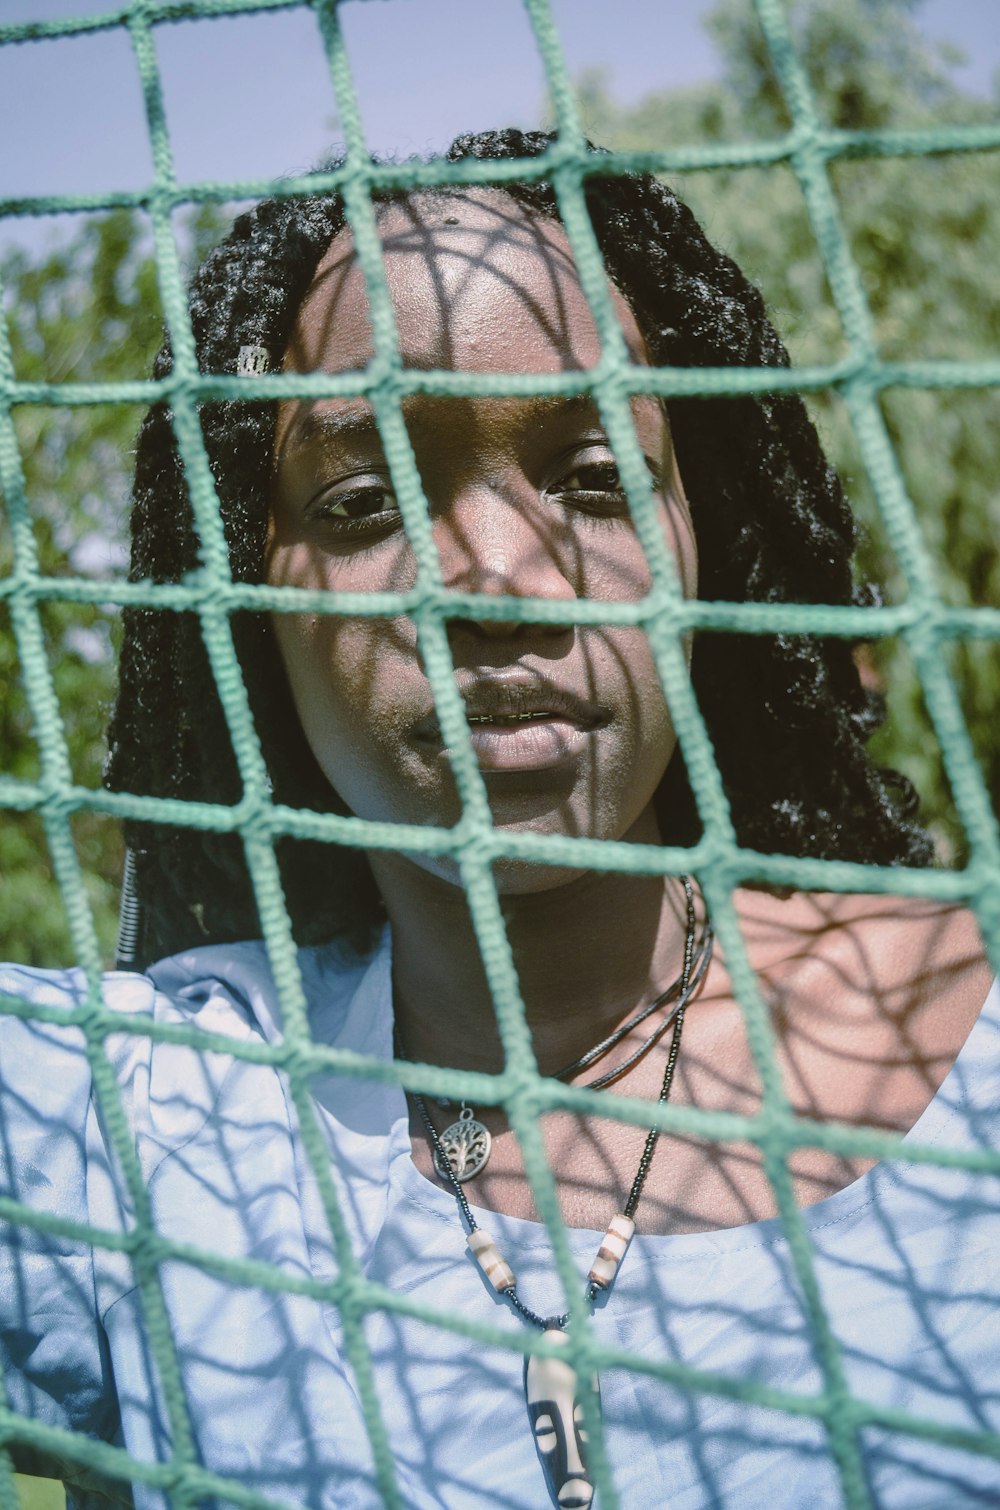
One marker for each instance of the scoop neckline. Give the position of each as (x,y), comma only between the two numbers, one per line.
(928,1129)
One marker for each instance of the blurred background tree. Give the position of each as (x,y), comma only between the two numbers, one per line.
(924,233)
(86,310)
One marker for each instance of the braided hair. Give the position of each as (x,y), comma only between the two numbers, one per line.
(770,517)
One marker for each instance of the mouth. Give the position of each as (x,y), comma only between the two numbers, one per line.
(518,725)
(517,720)
(577,1494)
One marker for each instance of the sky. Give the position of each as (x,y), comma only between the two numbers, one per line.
(248,97)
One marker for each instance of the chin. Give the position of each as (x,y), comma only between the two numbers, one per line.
(517,876)
(523,878)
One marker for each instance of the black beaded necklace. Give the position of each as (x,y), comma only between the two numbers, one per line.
(551,1386)
(462,1149)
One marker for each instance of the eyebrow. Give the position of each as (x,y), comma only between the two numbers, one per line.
(334,424)
(340,424)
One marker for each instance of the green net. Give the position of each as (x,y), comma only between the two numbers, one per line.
(922,619)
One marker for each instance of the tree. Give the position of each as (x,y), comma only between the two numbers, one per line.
(87,310)
(923,233)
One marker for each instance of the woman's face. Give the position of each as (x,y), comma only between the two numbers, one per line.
(569,725)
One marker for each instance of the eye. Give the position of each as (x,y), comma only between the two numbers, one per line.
(590,481)
(545,1433)
(593,480)
(593,477)
(356,504)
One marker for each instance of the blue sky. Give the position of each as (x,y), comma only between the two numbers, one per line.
(249,96)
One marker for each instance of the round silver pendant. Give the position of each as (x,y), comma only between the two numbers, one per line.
(467,1144)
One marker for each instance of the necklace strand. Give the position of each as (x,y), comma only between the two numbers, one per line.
(699,966)
(692,972)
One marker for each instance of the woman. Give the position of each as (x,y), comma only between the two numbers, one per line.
(872,1000)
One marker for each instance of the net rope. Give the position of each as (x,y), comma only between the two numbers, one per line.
(922,619)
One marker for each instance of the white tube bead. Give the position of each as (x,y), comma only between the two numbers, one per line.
(491,1260)
(612,1251)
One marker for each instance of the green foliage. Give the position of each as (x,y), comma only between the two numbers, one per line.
(86,310)
(924,233)
(40,1494)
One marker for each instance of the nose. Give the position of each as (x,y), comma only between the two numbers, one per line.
(575,1466)
(499,545)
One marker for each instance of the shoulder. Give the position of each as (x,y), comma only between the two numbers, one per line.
(872,997)
(864,956)
(220,985)
(178,1021)
(45,1073)
(341,996)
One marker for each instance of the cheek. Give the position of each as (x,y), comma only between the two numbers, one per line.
(343,675)
(342,671)
(614,568)
(610,563)
(310,649)
(647,729)
(617,570)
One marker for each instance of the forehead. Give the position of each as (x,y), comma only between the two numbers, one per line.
(477,284)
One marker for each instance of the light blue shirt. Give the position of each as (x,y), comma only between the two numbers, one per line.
(907,1257)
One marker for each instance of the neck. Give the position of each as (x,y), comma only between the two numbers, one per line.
(587,954)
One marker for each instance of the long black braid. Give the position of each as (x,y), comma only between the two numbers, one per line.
(788,715)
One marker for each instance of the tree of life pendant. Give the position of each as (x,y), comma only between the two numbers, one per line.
(467,1144)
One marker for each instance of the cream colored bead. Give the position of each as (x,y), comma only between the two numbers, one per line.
(491,1260)
(612,1251)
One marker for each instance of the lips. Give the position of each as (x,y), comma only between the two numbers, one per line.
(521,724)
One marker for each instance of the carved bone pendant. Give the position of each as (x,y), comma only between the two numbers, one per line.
(551,1389)
(467,1144)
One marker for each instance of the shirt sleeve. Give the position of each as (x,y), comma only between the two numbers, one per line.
(53,1350)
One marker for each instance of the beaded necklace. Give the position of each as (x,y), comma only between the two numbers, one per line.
(462,1149)
(550,1385)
